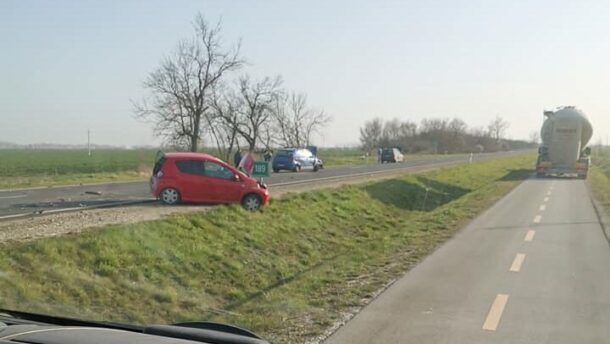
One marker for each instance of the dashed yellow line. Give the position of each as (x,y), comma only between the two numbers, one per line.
(529,236)
(495,312)
(517,262)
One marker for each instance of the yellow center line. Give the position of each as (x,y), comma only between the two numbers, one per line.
(517,262)
(529,236)
(537,219)
(543,207)
(495,312)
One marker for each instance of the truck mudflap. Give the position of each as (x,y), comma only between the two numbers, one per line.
(582,170)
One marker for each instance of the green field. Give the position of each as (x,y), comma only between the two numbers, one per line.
(46,167)
(288,272)
(42,167)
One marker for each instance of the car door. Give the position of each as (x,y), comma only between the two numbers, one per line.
(191,181)
(225,188)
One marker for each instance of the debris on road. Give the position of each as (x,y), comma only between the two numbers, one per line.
(98,193)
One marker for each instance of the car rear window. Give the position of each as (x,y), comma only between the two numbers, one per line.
(284,153)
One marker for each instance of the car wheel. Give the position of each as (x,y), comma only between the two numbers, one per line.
(251,202)
(170,196)
(316,168)
(296,168)
(276,170)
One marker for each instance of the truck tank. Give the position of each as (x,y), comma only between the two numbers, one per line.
(565,133)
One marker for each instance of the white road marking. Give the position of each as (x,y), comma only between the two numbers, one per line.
(546,199)
(537,219)
(530,235)
(13,196)
(549,193)
(517,262)
(495,313)
(543,207)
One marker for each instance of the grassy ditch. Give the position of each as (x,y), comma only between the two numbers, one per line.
(288,272)
(599,177)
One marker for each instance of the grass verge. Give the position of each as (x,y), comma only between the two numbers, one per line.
(599,178)
(288,272)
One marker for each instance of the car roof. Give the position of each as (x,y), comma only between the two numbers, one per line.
(190,155)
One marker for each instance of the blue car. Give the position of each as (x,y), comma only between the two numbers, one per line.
(293,159)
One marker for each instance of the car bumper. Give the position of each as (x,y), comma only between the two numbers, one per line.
(265,197)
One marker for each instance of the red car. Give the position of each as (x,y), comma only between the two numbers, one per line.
(202,178)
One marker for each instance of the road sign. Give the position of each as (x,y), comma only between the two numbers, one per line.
(261,169)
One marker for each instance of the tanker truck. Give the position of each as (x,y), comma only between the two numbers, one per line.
(565,134)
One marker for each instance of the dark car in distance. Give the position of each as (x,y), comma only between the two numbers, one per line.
(296,159)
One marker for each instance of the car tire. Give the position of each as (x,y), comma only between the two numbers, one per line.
(296,168)
(275,170)
(169,196)
(316,168)
(251,202)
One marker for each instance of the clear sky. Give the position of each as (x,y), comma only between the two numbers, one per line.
(66,66)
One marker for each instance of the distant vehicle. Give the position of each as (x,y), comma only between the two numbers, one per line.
(391,155)
(202,178)
(563,152)
(293,159)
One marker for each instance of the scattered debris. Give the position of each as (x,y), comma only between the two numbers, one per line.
(98,193)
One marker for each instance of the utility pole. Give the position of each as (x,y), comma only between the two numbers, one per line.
(89,141)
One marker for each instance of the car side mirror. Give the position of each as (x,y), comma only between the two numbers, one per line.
(236,178)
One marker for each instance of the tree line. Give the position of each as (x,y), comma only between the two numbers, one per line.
(194,96)
(437,135)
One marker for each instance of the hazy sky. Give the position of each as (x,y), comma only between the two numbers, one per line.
(66,66)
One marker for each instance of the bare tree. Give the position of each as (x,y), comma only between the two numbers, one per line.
(457,131)
(497,127)
(253,103)
(296,121)
(391,133)
(181,87)
(370,134)
(221,131)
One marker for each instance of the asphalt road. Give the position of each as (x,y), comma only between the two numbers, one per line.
(15,203)
(535,268)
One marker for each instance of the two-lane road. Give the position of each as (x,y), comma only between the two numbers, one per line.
(535,268)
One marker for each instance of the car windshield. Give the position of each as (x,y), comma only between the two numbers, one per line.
(311,171)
